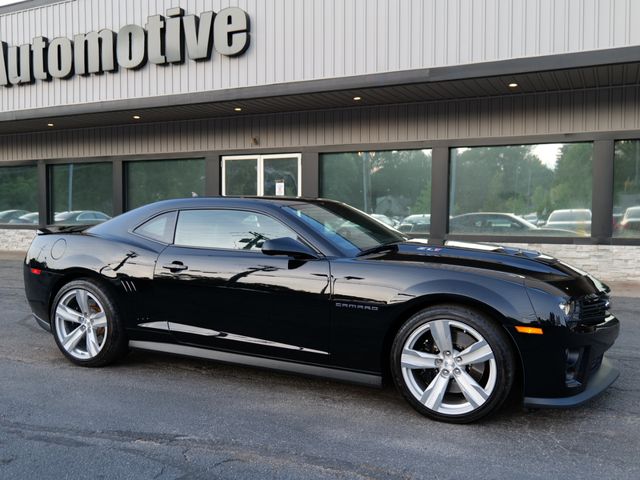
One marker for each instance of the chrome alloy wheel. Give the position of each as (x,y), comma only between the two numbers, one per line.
(448,367)
(81,324)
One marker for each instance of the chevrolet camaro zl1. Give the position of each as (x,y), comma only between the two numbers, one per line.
(317,287)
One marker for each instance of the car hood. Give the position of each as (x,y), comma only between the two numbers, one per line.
(531,265)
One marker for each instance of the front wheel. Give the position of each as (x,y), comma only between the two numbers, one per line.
(452,364)
(86,324)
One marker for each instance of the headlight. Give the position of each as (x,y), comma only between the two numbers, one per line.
(568,308)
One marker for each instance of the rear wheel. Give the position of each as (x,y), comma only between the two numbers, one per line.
(86,324)
(452,364)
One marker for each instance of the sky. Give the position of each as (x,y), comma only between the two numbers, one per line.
(547,153)
(7,2)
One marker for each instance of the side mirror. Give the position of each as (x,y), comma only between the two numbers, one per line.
(287,246)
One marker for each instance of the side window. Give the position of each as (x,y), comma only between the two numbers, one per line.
(159,228)
(228,229)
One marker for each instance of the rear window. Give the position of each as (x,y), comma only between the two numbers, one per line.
(577,216)
(159,228)
(633,214)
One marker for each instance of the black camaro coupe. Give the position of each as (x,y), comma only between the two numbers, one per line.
(317,287)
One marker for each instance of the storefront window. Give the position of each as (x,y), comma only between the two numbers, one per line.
(626,189)
(150,181)
(393,186)
(531,190)
(81,193)
(241,176)
(19,195)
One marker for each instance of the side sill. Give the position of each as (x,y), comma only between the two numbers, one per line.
(269,363)
(44,324)
(598,383)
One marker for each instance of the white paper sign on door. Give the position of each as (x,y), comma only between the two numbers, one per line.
(280,188)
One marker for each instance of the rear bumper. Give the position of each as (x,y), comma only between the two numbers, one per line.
(598,383)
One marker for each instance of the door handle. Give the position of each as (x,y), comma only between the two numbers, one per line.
(175,267)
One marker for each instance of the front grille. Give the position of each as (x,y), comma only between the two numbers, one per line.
(592,309)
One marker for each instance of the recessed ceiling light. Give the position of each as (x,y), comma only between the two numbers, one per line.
(513,85)
(237,109)
(136,117)
(50,125)
(357,99)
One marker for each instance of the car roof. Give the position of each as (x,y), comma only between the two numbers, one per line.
(563,210)
(132,218)
(191,202)
(487,213)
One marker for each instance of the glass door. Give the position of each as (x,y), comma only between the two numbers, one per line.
(271,175)
(240,175)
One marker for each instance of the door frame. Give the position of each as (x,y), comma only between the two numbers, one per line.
(260,177)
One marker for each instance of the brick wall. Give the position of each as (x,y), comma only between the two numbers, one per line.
(16,240)
(606,262)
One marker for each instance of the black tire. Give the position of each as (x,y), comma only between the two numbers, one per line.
(113,343)
(495,376)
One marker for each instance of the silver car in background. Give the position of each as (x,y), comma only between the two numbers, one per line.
(575,219)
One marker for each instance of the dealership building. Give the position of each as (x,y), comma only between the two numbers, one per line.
(505,121)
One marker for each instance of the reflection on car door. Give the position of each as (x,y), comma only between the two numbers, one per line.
(221,291)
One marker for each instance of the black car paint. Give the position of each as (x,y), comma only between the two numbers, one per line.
(342,310)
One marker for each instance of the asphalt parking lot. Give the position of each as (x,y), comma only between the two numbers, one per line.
(162,417)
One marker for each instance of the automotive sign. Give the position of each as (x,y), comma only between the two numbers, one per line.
(161,41)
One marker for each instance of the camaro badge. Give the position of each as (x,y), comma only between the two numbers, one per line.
(354,306)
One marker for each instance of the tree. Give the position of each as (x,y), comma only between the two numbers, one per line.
(626,174)
(572,182)
(504,179)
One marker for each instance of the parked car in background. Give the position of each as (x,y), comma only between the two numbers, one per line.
(532,218)
(497,223)
(7,215)
(618,214)
(32,218)
(576,219)
(630,220)
(81,217)
(416,224)
(384,219)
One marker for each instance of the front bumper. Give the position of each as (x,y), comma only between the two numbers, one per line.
(552,379)
(598,383)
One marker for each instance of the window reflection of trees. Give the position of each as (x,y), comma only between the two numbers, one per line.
(513,179)
(626,189)
(395,183)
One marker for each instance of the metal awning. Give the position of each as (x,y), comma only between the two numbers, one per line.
(563,73)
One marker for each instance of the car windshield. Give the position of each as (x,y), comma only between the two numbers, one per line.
(351,229)
(64,216)
(633,214)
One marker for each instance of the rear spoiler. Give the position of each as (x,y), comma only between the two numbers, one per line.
(52,229)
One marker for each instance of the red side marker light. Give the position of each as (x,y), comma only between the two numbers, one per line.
(36,271)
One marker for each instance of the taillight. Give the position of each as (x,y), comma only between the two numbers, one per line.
(36,271)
